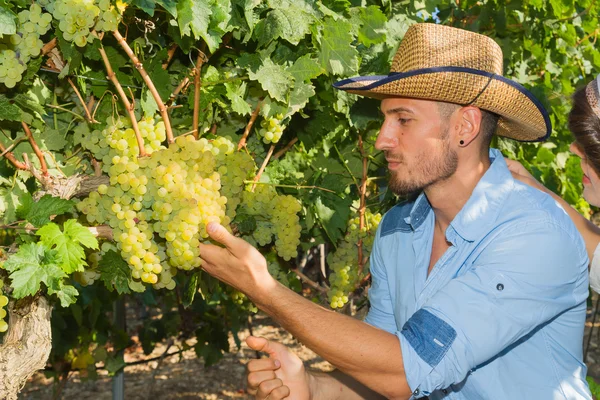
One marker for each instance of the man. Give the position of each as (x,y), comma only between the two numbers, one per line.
(479,285)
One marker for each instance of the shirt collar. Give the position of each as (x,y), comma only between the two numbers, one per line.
(483,206)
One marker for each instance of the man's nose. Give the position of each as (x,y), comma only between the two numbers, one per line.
(386,139)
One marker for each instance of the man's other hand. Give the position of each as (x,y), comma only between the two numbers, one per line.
(280,376)
(237,264)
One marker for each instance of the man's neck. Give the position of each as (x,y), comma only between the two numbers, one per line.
(448,197)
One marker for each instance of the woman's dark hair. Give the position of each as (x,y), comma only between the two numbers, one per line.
(585,126)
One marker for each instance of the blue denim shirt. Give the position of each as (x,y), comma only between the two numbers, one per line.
(501,315)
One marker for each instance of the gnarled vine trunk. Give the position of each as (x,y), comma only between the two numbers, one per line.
(28,341)
(26,346)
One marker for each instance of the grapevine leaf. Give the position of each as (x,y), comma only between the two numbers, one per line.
(374,24)
(67,294)
(274,79)
(333,212)
(290,26)
(337,54)
(69,243)
(114,272)
(10,199)
(39,213)
(235,93)
(169,5)
(8,110)
(33,264)
(146,5)
(305,68)
(115,364)
(8,25)
(299,97)
(28,103)
(26,203)
(33,67)
(194,17)
(190,289)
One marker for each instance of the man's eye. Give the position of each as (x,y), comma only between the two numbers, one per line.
(404,121)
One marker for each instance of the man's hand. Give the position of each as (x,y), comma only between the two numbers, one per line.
(280,376)
(238,264)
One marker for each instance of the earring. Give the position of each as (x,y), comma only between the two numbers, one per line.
(462,142)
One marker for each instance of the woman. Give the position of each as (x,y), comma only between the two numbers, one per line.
(584,123)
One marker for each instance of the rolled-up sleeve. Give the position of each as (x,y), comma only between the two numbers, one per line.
(381,314)
(530,274)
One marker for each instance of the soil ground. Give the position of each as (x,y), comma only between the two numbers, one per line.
(187,378)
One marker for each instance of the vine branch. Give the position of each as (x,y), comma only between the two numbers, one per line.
(36,149)
(197,85)
(128,106)
(242,142)
(140,68)
(85,107)
(262,167)
(11,157)
(286,148)
(309,281)
(363,204)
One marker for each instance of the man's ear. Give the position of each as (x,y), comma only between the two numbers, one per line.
(469,124)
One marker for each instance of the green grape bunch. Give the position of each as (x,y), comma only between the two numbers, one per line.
(271,129)
(3,303)
(158,206)
(344,261)
(16,50)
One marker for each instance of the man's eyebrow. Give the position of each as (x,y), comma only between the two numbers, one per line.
(397,110)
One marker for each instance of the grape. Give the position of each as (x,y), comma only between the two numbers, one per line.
(3,303)
(271,129)
(76,19)
(344,261)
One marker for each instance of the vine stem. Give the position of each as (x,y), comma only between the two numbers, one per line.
(363,203)
(286,148)
(138,65)
(291,186)
(309,281)
(262,167)
(177,90)
(197,85)
(11,158)
(242,142)
(128,106)
(85,108)
(36,149)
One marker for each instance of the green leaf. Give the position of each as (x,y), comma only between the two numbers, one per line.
(8,110)
(190,289)
(194,16)
(67,295)
(274,78)
(288,22)
(146,5)
(169,5)
(26,102)
(39,213)
(10,199)
(235,93)
(114,272)
(33,264)
(115,364)
(333,212)
(337,54)
(299,97)
(305,68)
(372,30)
(8,25)
(69,244)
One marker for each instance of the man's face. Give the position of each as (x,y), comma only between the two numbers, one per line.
(416,142)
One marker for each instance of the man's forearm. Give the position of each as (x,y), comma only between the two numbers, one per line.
(336,385)
(370,355)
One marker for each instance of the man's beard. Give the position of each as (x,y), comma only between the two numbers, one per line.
(427,170)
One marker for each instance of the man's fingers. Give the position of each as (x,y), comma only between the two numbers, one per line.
(262,344)
(218,233)
(256,378)
(266,387)
(279,393)
(263,364)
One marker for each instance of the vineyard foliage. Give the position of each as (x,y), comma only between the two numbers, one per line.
(223,110)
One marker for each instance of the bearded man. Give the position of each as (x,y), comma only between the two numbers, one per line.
(479,285)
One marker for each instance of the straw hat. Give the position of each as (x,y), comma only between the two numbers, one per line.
(437,62)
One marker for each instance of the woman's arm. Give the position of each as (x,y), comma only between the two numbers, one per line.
(589,231)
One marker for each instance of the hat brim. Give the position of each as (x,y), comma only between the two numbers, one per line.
(522,116)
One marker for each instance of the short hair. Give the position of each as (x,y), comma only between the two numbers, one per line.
(585,126)
(489,120)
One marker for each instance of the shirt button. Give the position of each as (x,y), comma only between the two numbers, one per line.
(416,392)
(445,391)
(500,287)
